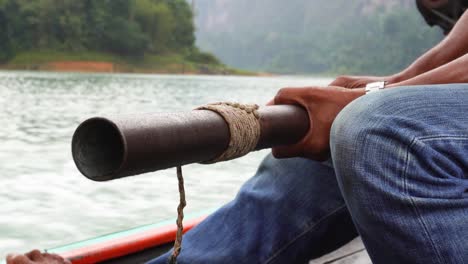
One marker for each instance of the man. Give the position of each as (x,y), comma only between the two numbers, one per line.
(390,165)
(398,173)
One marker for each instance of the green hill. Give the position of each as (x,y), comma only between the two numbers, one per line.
(314,36)
(135,35)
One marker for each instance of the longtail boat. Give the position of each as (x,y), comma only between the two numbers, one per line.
(133,246)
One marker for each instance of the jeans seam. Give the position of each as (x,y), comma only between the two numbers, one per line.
(279,251)
(413,203)
(429,138)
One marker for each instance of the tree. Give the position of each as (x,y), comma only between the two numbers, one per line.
(124,37)
(184,31)
(5,45)
(157,21)
(123,27)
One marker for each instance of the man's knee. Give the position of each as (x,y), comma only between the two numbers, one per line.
(368,116)
(384,120)
(368,134)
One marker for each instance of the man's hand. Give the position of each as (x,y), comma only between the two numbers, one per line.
(322,105)
(354,82)
(36,257)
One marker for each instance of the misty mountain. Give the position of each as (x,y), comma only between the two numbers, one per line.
(313,36)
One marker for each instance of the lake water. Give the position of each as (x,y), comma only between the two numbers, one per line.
(45,202)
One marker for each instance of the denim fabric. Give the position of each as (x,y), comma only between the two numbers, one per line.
(401,159)
(398,176)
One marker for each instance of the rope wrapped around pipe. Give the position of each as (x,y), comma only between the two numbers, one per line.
(244,127)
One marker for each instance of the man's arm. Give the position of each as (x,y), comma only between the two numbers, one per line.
(455,71)
(324,104)
(454,46)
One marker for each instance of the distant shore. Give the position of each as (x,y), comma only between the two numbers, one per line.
(106,63)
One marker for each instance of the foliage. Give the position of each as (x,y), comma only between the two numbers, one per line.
(314,36)
(387,43)
(198,56)
(129,28)
(5,45)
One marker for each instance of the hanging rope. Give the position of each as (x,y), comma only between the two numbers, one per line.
(180,218)
(244,127)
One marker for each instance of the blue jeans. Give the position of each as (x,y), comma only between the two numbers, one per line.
(398,176)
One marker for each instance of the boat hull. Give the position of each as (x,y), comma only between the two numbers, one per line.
(137,245)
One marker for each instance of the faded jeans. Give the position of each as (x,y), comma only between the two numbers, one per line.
(398,177)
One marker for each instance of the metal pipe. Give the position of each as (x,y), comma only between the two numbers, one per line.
(107,148)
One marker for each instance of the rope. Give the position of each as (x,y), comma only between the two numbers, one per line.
(244,127)
(180,218)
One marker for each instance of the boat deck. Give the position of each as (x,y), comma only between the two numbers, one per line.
(352,253)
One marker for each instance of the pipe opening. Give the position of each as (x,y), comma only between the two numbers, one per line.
(98,149)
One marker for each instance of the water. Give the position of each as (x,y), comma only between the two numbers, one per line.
(45,202)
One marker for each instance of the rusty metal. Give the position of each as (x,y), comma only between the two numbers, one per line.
(107,148)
